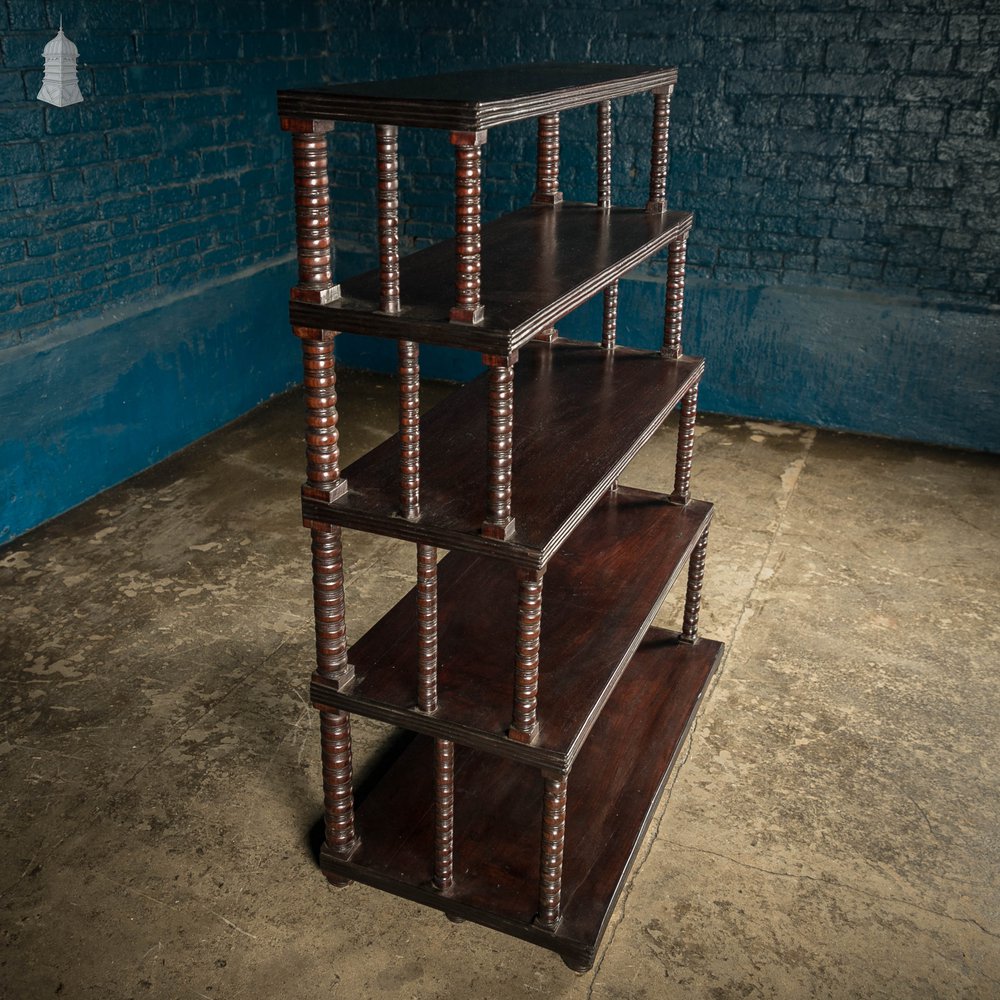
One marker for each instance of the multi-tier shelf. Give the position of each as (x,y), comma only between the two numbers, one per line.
(540,742)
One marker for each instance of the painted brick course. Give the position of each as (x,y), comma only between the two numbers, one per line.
(840,144)
(165,172)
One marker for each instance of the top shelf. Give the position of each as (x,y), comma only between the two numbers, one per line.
(477,99)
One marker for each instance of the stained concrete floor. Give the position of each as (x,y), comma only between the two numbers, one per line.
(831,831)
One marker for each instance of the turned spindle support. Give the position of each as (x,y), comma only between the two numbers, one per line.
(319,379)
(341,839)
(692,600)
(674,310)
(427,628)
(685,447)
(553,840)
(444,813)
(312,211)
(409,429)
(328,601)
(609,331)
(526,656)
(387,160)
(659,154)
(547,163)
(332,664)
(604,154)
(499,522)
(468,306)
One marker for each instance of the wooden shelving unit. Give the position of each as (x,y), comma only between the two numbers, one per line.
(539,743)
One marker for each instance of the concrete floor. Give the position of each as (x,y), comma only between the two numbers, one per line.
(831,831)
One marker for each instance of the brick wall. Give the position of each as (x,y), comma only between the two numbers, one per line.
(841,157)
(167,175)
(843,144)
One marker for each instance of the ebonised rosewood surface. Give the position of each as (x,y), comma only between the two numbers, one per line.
(619,397)
(474,99)
(538,263)
(615,569)
(612,794)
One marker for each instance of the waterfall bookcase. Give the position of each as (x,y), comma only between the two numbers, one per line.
(541,742)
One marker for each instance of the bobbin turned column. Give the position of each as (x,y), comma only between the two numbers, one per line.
(672,321)
(499,521)
(547,184)
(331,624)
(685,447)
(553,840)
(609,330)
(604,154)
(319,379)
(658,154)
(524,724)
(409,429)
(323,481)
(547,164)
(468,226)
(444,813)
(312,210)
(387,163)
(674,310)
(335,725)
(692,600)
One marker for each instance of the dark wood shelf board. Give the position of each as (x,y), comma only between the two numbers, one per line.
(538,264)
(613,792)
(580,415)
(476,99)
(615,570)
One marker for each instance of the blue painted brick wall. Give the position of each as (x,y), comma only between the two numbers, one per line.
(169,174)
(841,158)
(844,144)
(146,235)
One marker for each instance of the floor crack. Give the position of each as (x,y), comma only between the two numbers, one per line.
(836,884)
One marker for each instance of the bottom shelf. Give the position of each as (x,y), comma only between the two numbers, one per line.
(613,791)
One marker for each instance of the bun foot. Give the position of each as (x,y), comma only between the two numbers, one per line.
(454,919)
(577,965)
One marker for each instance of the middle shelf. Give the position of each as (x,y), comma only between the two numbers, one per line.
(580,416)
(538,263)
(616,569)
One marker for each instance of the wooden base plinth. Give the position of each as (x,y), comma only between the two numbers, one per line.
(498,532)
(459,315)
(325,494)
(614,789)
